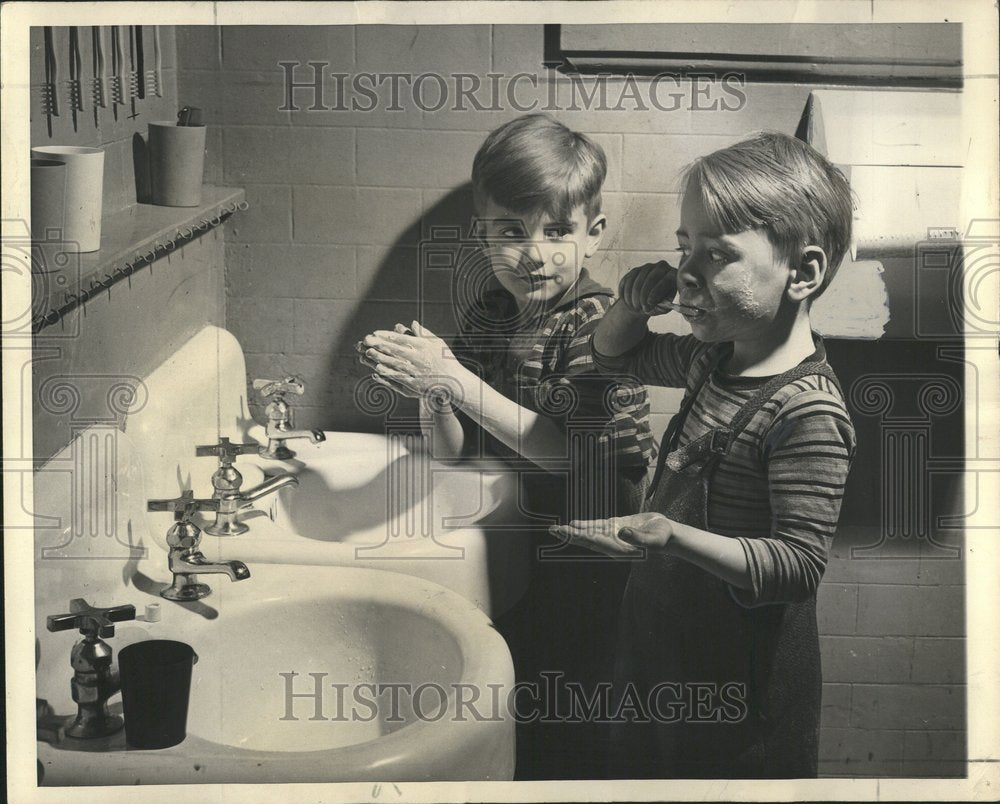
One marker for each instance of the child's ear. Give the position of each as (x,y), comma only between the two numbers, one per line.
(595,233)
(808,274)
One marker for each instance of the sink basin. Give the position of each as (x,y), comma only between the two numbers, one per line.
(364,500)
(388,650)
(389,656)
(378,501)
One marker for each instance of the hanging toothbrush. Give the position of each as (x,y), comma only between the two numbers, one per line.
(75,69)
(132,88)
(153,80)
(117,66)
(100,88)
(50,93)
(140,64)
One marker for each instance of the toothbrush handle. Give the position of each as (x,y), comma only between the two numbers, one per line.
(75,69)
(98,47)
(117,58)
(51,71)
(76,62)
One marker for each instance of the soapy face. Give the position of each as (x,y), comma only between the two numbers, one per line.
(536,259)
(738,280)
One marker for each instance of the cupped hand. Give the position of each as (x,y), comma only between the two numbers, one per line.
(411,360)
(643,289)
(619,537)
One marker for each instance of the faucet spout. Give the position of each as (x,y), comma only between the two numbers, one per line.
(314,436)
(188,563)
(267,487)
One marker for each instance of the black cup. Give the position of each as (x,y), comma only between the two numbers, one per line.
(156,684)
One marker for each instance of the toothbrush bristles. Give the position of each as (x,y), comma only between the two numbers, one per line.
(75,95)
(100,93)
(50,104)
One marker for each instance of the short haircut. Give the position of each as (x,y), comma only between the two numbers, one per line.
(535,165)
(782,185)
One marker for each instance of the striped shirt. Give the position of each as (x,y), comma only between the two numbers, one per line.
(779,488)
(546,366)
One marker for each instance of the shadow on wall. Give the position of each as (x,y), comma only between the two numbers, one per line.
(415,279)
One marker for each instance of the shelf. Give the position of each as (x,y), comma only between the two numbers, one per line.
(131,238)
(128,233)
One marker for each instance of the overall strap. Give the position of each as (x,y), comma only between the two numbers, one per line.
(709,448)
(769,389)
(668,442)
(718,441)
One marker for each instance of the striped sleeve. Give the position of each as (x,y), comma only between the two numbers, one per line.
(658,359)
(620,403)
(807,451)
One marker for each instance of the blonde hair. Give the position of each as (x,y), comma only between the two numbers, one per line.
(782,185)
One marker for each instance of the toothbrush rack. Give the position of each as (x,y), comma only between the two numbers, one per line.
(145,233)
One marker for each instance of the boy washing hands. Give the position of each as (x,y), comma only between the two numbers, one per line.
(720,607)
(519,384)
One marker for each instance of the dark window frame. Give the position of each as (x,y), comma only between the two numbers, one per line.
(858,69)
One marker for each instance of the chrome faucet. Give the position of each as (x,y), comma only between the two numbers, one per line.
(227,481)
(186,561)
(94,678)
(279,417)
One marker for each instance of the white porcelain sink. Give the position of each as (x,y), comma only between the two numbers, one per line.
(363,500)
(377,501)
(357,631)
(357,626)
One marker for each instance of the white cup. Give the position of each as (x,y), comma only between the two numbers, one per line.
(84,191)
(48,197)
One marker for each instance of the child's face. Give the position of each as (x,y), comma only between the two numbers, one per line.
(538,258)
(738,279)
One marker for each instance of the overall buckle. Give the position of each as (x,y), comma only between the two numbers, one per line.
(720,441)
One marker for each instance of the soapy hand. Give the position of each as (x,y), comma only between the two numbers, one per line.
(647,289)
(619,537)
(413,361)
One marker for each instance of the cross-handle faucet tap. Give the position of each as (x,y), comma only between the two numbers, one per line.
(279,417)
(227,481)
(186,561)
(95,680)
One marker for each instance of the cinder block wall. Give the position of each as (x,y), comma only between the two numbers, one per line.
(328,251)
(111,128)
(124,334)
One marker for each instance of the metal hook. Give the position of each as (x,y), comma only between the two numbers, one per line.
(216,219)
(151,256)
(243,206)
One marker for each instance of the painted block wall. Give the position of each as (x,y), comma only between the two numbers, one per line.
(114,132)
(122,335)
(329,251)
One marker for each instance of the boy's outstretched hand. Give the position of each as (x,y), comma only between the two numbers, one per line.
(642,290)
(619,537)
(412,361)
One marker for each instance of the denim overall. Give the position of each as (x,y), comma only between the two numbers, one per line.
(745,683)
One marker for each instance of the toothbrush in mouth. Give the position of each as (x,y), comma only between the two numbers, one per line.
(683,309)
